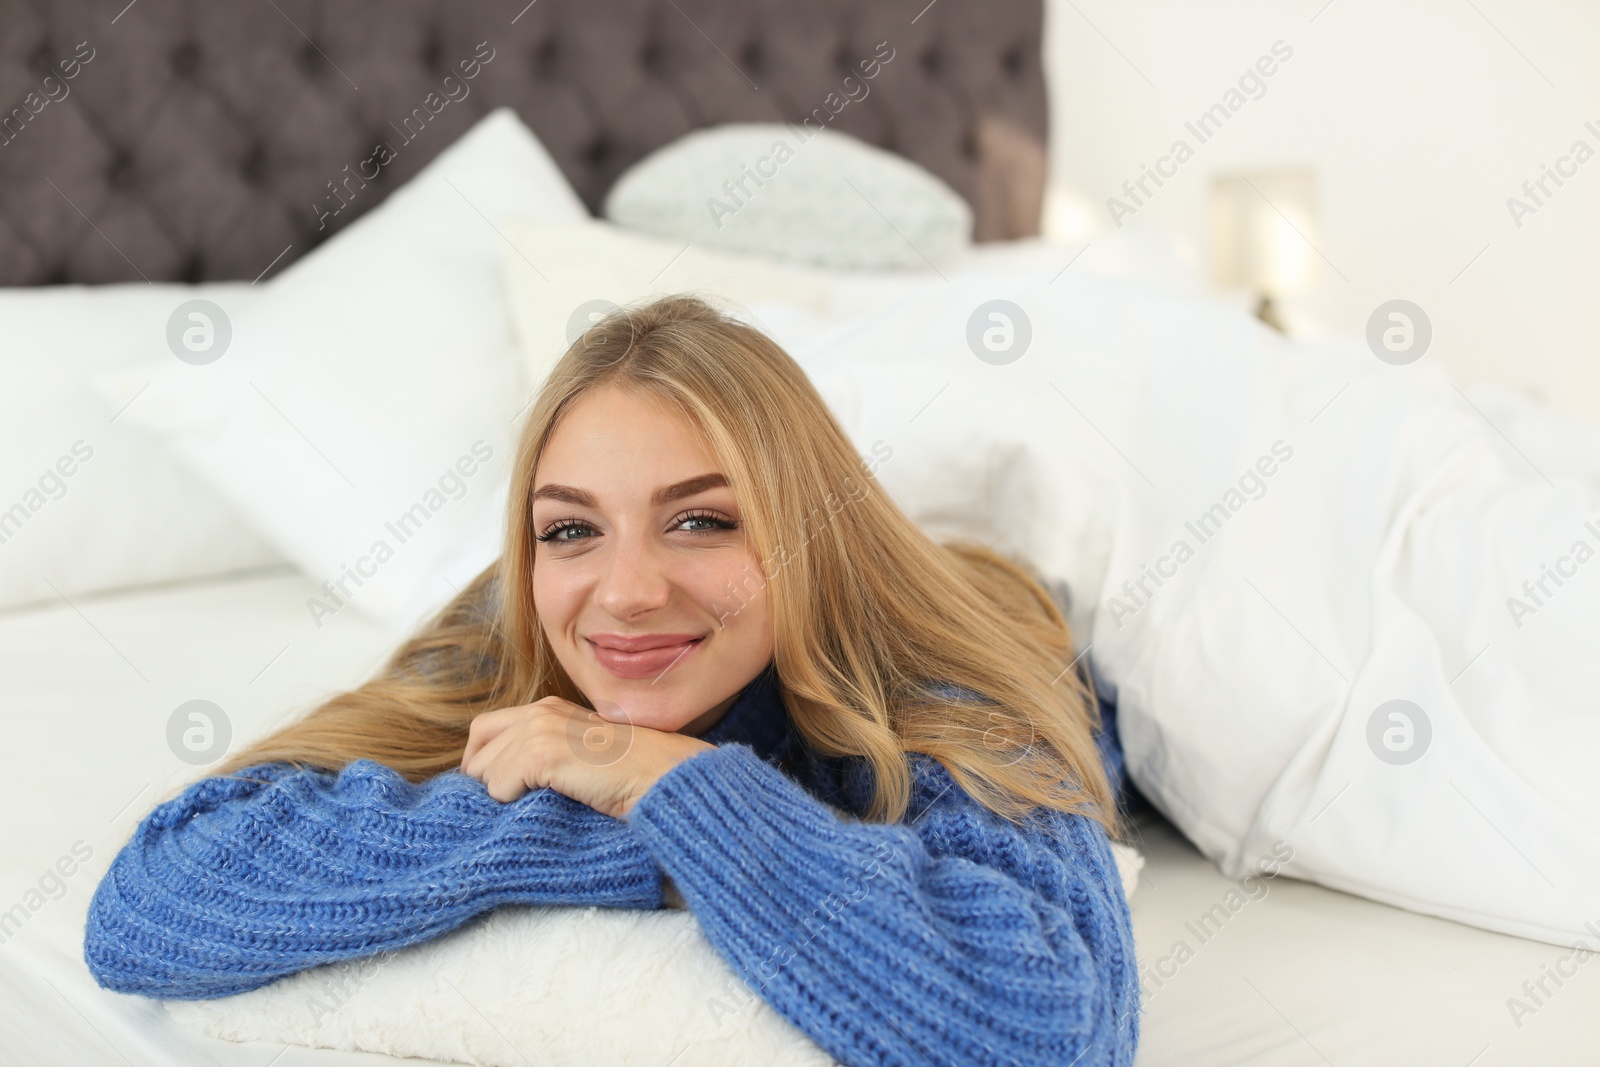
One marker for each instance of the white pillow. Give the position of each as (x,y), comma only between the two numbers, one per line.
(87,502)
(363,418)
(794,192)
(560,277)
(526,986)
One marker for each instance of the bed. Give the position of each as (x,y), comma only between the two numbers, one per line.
(1256,971)
(1298,975)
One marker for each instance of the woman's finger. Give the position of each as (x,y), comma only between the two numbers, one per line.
(491,724)
(504,777)
(475,765)
(483,729)
(519,764)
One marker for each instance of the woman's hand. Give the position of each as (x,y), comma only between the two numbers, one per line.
(554,742)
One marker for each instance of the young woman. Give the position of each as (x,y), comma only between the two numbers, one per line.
(715,667)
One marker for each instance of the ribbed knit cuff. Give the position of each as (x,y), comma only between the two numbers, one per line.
(236,883)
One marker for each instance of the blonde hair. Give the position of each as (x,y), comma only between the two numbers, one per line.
(867,610)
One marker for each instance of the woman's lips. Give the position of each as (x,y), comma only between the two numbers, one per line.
(645,663)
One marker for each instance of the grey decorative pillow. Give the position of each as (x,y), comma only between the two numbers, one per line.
(796,193)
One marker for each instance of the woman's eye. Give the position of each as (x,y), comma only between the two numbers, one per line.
(566,530)
(704,523)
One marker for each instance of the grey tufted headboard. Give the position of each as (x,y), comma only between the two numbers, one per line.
(195,140)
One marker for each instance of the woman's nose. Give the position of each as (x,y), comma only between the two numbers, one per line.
(634,581)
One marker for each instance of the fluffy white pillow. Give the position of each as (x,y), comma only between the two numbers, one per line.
(536,986)
(560,277)
(88,502)
(795,193)
(363,417)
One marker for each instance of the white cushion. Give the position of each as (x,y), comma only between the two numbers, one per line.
(795,193)
(363,418)
(559,277)
(504,991)
(88,502)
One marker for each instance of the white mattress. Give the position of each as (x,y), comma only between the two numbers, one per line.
(1302,975)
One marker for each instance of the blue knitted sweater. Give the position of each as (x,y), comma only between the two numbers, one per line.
(953,937)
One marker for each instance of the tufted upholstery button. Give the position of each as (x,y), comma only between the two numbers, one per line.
(120,171)
(185,60)
(41,60)
(597,151)
(577,83)
(652,57)
(969,144)
(253,165)
(545,57)
(433,53)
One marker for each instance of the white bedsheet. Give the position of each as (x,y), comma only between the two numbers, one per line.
(1300,973)
(87,696)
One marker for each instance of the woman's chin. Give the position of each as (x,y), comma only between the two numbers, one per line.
(646,713)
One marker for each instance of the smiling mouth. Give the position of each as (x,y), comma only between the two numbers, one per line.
(636,662)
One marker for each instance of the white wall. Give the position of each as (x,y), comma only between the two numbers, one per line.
(1419,119)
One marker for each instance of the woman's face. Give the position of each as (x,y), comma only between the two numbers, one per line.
(643,578)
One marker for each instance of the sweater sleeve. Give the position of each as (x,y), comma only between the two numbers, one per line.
(955,938)
(242,880)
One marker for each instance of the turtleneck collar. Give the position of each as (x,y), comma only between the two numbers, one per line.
(756,717)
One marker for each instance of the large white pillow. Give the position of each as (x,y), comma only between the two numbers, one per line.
(364,416)
(518,988)
(561,276)
(794,192)
(87,501)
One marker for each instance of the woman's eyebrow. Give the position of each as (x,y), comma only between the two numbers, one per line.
(687,487)
(667,494)
(564,493)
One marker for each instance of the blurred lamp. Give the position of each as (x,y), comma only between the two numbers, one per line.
(1067,215)
(1263,236)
